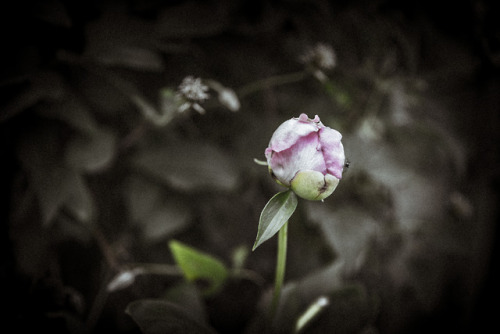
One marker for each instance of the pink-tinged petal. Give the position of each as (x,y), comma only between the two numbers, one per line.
(333,151)
(304,155)
(288,133)
(303,117)
(316,119)
(268,153)
(307,156)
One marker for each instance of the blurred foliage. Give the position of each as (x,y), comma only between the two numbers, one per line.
(101,171)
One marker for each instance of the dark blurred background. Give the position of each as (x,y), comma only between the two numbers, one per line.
(93,184)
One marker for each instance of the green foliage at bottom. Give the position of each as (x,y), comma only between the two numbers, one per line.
(159,316)
(199,267)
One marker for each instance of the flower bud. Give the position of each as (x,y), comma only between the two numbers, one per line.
(306,156)
(229,99)
(191,92)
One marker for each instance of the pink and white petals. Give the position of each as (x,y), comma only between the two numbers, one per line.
(307,156)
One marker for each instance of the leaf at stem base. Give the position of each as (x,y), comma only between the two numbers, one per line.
(274,215)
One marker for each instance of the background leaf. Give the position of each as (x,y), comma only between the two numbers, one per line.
(93,84)
(274,215)
(155,212)
(91,153)
(159,316)
(198,266)
(187,296)
(189,166)
(55,184)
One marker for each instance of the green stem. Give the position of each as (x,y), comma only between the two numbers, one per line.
(280,268)
(156,269)
(276,80)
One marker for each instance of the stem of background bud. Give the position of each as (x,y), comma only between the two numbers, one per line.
(276,80)
(156,269)
(280,268)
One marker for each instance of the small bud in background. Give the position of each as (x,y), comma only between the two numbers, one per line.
(306,156)
(193,89)
(227,96)
(321,56)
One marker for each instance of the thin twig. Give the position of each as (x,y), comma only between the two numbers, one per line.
(272,81)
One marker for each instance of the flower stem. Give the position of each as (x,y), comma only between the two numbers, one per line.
(276,80)
(280,268)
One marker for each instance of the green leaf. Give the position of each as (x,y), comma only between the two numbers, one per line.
(274,215)
(159,316)
(199,267)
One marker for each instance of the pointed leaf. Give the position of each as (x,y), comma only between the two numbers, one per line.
(198,266)
(274,215)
